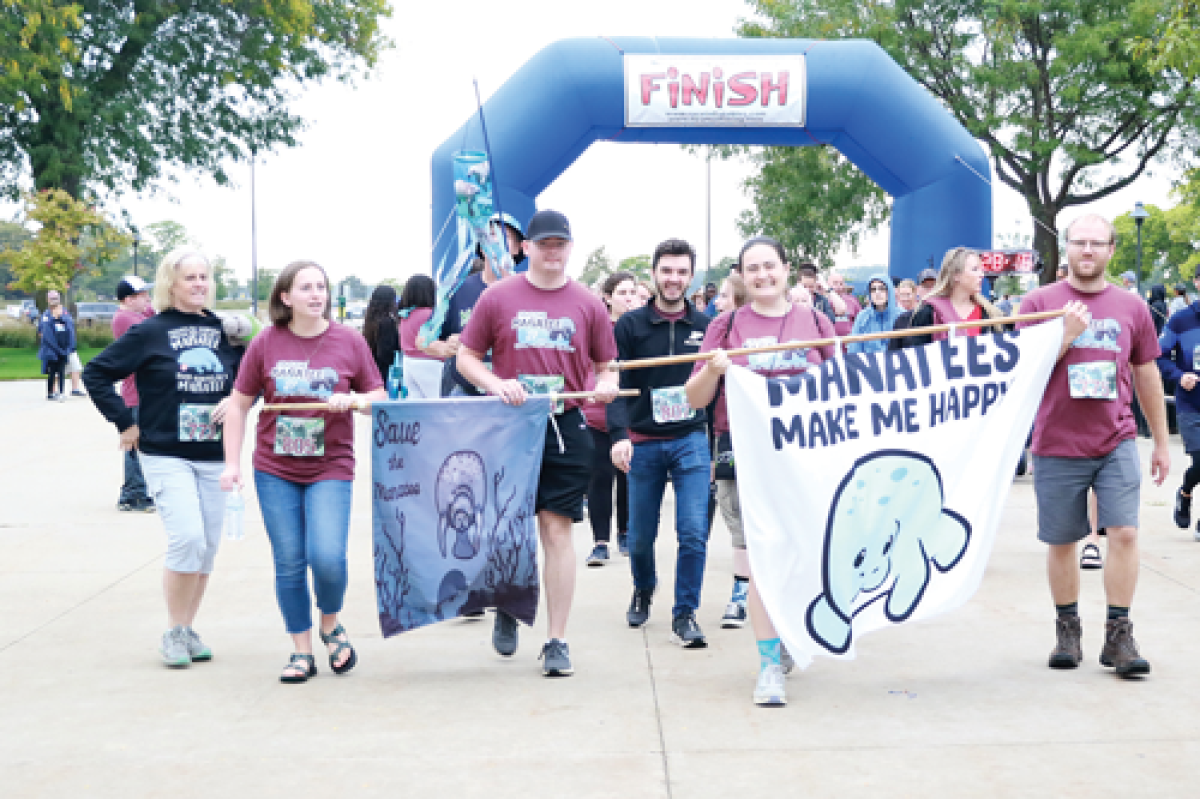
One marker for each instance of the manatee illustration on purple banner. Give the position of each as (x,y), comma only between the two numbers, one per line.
(454,484)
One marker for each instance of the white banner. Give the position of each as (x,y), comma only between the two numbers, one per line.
(714,91)
(871,486)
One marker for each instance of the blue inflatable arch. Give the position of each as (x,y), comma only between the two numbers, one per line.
(859,100)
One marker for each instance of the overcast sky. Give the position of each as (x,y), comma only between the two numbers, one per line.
(355,195)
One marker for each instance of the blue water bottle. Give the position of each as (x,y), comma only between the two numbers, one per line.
(395,380)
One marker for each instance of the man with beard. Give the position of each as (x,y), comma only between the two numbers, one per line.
(843,320)
(1085,438)
(658,437)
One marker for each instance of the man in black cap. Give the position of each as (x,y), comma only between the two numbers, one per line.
(511,320)
(133,294)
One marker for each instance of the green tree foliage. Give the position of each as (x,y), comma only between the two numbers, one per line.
(355,288)
(813,200)
(69,238)
(166,236)
(598,266)
(1176,44)
(636,265)
(12,237)
(266,279)
(111,94)
(1066,111)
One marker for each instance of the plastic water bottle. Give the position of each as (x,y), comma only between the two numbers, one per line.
(395,379)
(235,513)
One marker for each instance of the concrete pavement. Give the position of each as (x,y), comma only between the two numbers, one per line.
(960,706)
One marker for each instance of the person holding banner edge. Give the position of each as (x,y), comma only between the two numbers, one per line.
(768,318)
(657,436)
(1180,344)
(546,333)
(1085,438)
(304,460)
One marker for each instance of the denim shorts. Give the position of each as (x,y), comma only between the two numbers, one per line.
(191,505)
(1061,486)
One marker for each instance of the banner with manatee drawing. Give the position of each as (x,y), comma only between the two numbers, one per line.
(453,487)
(871,486)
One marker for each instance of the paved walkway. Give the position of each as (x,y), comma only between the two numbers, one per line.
(960,706)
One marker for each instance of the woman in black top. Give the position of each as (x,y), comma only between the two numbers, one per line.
(184,367)
(380,328)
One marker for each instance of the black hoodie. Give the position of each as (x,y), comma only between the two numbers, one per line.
(183,365)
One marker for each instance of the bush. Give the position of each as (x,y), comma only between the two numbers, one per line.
(18,336)
(97,337)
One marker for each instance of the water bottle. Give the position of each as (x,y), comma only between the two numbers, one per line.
(235,513)
(395,379)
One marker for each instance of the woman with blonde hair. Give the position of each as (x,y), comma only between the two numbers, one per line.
(304,459)
(184,367)
(955,297)
(732,294)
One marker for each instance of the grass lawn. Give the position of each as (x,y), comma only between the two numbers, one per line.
(21,363)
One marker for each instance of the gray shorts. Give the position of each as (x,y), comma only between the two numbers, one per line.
(1061,486)
(731,511)
(191,504)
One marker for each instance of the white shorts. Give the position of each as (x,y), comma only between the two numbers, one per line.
(423,378)
(73,364)
(191,504)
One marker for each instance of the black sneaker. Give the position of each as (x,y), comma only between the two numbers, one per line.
(599,555)
(556,659)
(1183,510)
(504,634)
(686,632)
(639,608)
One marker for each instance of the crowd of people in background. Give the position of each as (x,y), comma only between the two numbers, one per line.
(188,381)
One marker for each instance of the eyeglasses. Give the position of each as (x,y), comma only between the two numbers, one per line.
(1083,244)
(879,288)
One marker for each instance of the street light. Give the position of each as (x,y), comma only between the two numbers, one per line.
(1139,216)
(137,239)
(253,239)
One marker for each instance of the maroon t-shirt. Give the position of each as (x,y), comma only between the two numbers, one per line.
(1085,412)
(844,323)
(547,339)
(595,413)
(409,327)
(122,320)
(306,446)
(752,329)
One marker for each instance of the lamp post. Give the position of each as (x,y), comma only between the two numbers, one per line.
(253,240)
(1139,216)
(137,239)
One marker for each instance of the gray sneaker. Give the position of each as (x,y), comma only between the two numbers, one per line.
(504,634)
(556,659)
(174,648)
(197,649)
(686,632)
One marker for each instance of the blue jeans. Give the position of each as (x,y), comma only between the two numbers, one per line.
(686,461)
(308,524)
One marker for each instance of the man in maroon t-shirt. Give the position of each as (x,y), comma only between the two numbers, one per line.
(546,333)
(133,294)
(843,320)
(1085,438)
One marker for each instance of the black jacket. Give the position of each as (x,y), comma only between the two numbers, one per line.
(183,365)
(645,334)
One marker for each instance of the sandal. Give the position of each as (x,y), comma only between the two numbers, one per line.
(332,637)
(301,667)
(1090,559)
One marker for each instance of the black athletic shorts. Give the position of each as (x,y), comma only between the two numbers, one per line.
(566,469)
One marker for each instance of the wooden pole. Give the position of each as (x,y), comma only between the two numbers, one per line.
(324,406)
(646,363)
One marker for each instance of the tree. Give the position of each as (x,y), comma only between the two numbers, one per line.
(12,237)
(224,278)
(1175,45)
(813,200)
(637,265)
(598,266)
(1068,113)
(720,271)
(71,237)
(355,288)
(266,279)
(111,94)
(164,236)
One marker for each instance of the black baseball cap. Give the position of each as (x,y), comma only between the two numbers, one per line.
(130,285)
(548,225)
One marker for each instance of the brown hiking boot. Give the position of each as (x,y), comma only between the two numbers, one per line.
(1120,650)
(1068,652)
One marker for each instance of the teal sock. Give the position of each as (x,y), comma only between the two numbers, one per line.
(768,652)
(1118,612)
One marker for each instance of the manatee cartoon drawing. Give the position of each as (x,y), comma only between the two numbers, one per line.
(201,360)
(461,494)
(561,335)
(886,523)
(452,595)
